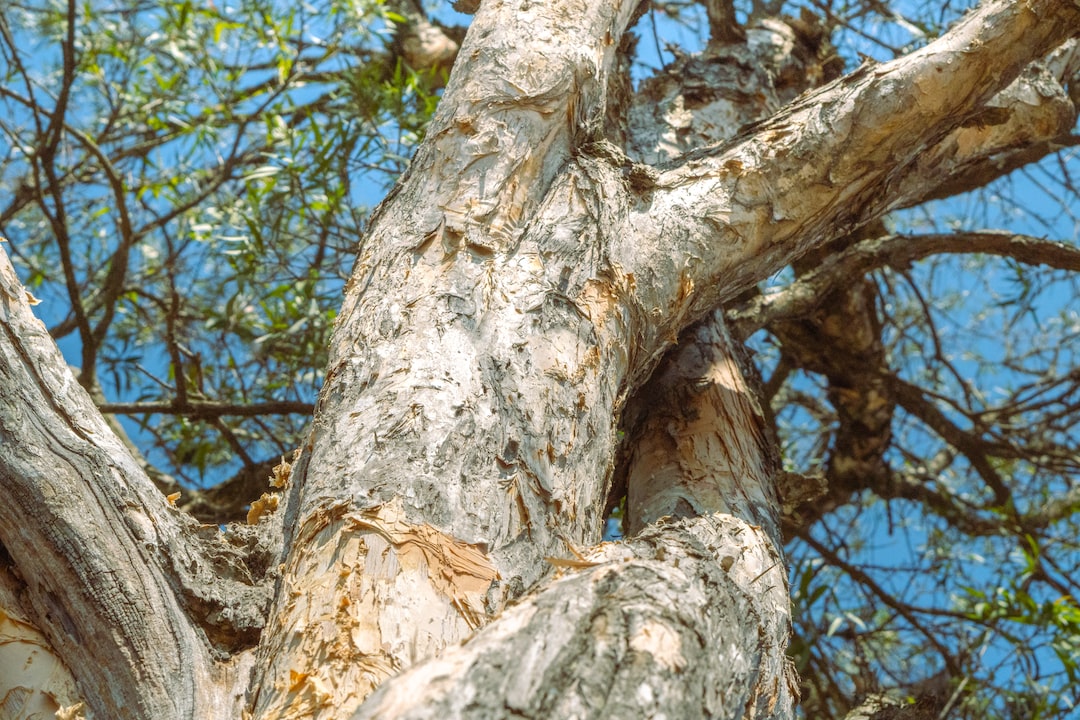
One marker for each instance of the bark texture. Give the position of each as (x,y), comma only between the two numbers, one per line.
(512,298)
(655,627)
(524,278)
(149,609)
(34,682)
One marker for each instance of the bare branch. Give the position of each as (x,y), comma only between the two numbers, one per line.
(969,519)
(723,25)
(204,409)
(1032,118)
(910,397)
(897,251)
(887,598)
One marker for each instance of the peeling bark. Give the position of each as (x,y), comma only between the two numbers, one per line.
(35,682)
(515,293)
(654,627)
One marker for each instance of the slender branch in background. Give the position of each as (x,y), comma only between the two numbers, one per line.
(46,163)
(172,319)
(204,409)
(234,443)
(886,598)
(113,285)
(656,36)
(966,517)
(935,336)
(951,508)
(897,251)
(847,23)
(910,397)
(268,432)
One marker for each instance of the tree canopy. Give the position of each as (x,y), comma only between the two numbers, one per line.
(185,188)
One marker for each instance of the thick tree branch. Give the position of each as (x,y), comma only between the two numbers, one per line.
(34,678)
(545,277)
(696,437)
(125,588)
(1031,111)
(832,160)
(723,25)
(423,44)
(635,627)
(464,254)
(699,456)
(1032,118)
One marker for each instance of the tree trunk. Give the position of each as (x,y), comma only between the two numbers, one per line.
(512,298)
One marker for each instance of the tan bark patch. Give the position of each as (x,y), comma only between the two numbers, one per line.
(268,503)
(283,470)
(599,301)
(459,570)
(661,642)
(361,559)
(34,682)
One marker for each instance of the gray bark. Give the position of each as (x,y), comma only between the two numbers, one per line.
(514,293)
(149,610)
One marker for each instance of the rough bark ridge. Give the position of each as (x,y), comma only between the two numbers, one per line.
(554,290)
(518,285)
(147,608)
(650,627)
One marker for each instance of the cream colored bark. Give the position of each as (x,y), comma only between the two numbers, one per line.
(34,682)
(512,291)
(518,285)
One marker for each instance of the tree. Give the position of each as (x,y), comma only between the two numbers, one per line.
(533,329)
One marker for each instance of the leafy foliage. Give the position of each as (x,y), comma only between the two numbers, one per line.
(186,185)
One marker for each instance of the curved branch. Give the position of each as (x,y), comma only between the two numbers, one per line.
(727,216)
(125,587)
(466,230)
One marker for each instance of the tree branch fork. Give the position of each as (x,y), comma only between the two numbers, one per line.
(156,595)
